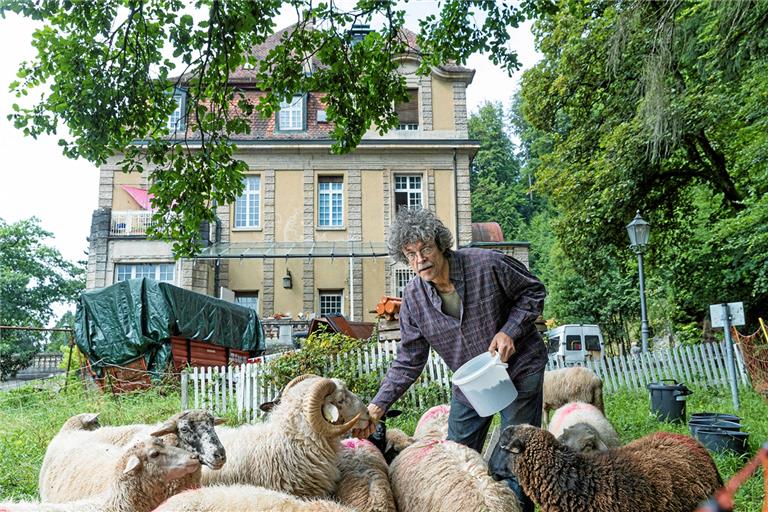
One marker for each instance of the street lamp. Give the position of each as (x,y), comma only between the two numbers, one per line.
(639,230)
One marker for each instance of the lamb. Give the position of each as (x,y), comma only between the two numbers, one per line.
(583,427)
(63,479)
(364,483)
(444,475)
(244,498)
(574,384)
(296,449)
(138,483)
(433,424)
(661,471)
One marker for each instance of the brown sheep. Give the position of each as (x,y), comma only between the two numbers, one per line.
(661,471)
(574,384)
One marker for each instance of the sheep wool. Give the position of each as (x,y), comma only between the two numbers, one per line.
(364,483)
(296,449)
(433,424)
(76,458)
(435,475)
(244,498)
(574,384)
(568,422)
(659,472)
(137,483)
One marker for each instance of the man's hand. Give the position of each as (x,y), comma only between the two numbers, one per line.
(502,344)
(374,414)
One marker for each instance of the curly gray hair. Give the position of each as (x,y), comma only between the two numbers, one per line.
(412,226)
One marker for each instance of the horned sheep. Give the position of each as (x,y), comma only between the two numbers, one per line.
(364,483)
(661,471)
(574,384)
(458,478)
(583,427)
(296,449)
(63,479)
(138,483)
(245,498)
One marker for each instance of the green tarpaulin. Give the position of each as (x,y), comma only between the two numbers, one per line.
(136,318)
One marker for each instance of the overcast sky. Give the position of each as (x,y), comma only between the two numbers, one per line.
(39,181)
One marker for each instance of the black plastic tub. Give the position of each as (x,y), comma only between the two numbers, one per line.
(694,424)
(721,440)
(715,416)
(668,400)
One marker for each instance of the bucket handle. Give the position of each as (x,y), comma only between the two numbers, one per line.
(497,360)
(684,391)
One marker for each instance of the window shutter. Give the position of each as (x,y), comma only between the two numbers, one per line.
(408,112)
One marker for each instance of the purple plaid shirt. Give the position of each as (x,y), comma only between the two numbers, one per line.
(497,294)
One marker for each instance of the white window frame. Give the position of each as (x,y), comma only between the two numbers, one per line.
(176,121)
(409,188)
(247,211)
(336,295)
(290,117)
(248,298)
(155,270)
(401,274)
(330,189)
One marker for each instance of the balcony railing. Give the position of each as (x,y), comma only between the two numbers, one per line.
(133,223)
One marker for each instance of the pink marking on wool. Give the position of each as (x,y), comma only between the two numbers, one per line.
(565,410)
(437,410)
(424,450)
(354,443)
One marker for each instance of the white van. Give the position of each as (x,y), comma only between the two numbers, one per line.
(575,343)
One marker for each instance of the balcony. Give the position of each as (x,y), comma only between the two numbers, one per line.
(132,223)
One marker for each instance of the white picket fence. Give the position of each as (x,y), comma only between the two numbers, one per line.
(243,388)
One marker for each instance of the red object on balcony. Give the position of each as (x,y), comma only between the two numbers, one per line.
(141,196)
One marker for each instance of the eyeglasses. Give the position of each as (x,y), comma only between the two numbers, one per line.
(424,252)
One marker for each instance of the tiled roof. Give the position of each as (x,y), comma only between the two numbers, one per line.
(246,76)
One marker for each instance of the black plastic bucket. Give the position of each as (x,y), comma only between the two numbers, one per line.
(720,440)
(668,400)
(711,416)
(694,424)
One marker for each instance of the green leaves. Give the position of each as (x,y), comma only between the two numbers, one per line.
(104,72)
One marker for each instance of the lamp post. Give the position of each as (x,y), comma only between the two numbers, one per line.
(639,230)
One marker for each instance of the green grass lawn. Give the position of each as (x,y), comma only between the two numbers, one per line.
(31,416)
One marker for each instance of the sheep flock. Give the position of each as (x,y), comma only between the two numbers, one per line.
(301,458)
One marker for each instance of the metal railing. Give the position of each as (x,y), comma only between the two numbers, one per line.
(130,223)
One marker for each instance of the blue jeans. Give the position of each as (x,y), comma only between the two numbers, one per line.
(469,429)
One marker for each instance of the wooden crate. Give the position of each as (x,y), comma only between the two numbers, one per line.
(389,330)
(201,354)
(130,376)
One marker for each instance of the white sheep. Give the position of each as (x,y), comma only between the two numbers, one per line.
(661,471)
(75,459)
(137,483)
(433,424)
(434,475)
(296,449)
(245,498)
(364,483)
(574,384)
(583,427)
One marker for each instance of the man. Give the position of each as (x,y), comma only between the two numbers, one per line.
(462,304)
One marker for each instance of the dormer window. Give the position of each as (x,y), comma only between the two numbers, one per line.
(292,115)
(408,111)
(176,123)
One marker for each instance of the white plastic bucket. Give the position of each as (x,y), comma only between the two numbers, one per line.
(485,383)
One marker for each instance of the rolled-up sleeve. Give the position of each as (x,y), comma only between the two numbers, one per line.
(412,354)
(526,294)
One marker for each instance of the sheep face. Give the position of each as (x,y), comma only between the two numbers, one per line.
(341,405)
(517,440)
(159,461)
(583,438)
(196,434)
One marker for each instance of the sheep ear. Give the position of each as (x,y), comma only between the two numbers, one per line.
(514,446)
(169,427)
(330,413)
(267,406)
(133,463)
(219,421)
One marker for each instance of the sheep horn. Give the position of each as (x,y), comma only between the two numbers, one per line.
(313,411)
(296,380)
